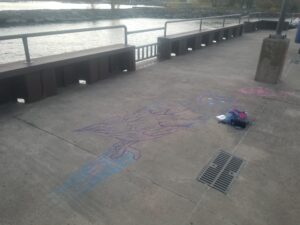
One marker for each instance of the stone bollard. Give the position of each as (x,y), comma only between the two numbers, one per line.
(271,60)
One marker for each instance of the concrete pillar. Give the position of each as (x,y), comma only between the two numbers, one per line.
(29,87)
(205,38)
(241,30)
(222,34)
(49,83)
(211,37)
(191,42)
(226,33)
(122,61)
(248,27)
(180,46)
(198,41)
(164,48)
(128,59)
(92,71)
(271,60)
(70,75)
(230,33)
(6,94)
(218,36)
(103,68)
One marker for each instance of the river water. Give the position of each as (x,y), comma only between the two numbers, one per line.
(12,50)
(33,5)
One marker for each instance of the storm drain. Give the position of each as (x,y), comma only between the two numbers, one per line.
(221,171)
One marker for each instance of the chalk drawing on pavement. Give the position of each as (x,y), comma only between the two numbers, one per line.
(148,123)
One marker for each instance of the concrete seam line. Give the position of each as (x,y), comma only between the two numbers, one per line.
(162,187)
(197,205)
(262,107)
(54,135)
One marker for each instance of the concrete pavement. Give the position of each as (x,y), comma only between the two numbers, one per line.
(127,150)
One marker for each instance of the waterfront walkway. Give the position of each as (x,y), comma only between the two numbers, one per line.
(128,150)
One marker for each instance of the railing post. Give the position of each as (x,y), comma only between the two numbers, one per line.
(201,24)
(165,31)
(26,49)
(292,17)
(125,35)
(224,19)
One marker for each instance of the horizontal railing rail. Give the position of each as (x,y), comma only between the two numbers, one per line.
(25,36)
(201,20)
(144,31)
(48,33)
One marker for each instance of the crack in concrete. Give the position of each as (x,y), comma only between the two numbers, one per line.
(54,135)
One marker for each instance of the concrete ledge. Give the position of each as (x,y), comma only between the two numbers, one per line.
(180,43)
(263,25)
(41,79)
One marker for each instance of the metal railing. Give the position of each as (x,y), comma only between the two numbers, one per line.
(145,52)
(201,20)
(148,51)
(144,31)
(142,52)
(25,37)
(260,15)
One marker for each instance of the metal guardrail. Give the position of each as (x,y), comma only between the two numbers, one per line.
(201,20)
(25,37)
(145,52)
(142,52)
(259,15)
(146,30)
(150,51)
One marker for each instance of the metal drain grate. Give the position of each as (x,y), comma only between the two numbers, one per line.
(221,171)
